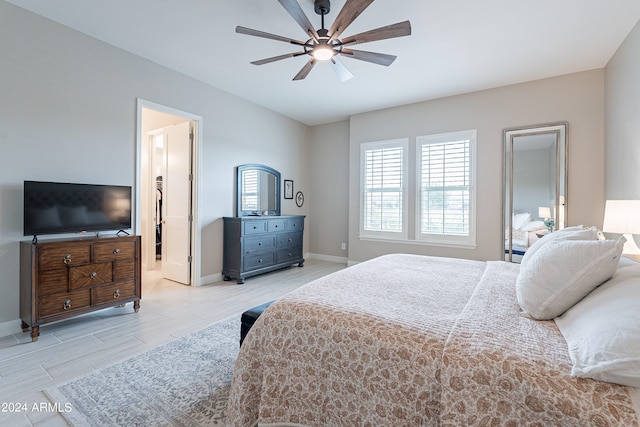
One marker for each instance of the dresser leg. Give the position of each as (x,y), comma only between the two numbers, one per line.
(240,281)
(136,306)
(35,333)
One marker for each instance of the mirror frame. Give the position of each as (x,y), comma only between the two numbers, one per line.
(561,132)
(262,168)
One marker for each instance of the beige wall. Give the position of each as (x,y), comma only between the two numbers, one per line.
(68,113)
(622,120)
(576,98)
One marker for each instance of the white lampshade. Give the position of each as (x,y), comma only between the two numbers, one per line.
(623,217)
(544,212)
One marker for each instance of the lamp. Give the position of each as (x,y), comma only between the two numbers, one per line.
(623,217)
(545,213)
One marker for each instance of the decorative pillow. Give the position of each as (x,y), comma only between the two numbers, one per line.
(577,232)
(603,331)
(562,272)
(520,219)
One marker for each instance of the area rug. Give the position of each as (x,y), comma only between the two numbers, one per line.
(181,383)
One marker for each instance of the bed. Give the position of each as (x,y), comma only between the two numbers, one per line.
(415,340)
(525,231)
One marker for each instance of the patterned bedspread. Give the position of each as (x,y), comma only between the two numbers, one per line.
(413,340)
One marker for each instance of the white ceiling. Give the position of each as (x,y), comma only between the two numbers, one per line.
(456,46)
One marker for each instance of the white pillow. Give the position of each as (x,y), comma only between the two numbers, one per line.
(603,331)
(562,272)
(520,219)
(577,232)
(533,225)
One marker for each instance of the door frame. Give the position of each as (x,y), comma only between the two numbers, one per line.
(196,226)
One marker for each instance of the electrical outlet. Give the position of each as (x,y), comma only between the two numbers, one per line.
(344,246)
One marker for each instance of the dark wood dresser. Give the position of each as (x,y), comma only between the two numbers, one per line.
(64,278)
(259,244)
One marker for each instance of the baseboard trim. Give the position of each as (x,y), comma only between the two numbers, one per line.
(330,258)
(11,327)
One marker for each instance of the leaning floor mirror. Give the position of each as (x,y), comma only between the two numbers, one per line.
(535,185)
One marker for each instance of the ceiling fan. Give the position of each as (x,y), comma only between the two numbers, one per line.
(326,45)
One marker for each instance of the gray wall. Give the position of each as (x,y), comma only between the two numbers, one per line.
(68,113)
(329,190)
(622,119)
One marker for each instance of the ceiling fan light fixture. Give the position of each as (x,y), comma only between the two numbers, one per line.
(323,52)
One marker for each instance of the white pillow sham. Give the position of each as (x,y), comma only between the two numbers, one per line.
(520,219)
(577,232)
(562,272)
(603,331)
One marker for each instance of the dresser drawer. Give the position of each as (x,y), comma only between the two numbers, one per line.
(90,275)
(253,262)
(52,281)
(110,293)
(254,227)
(289,255)
(63,302)
(275,225)
(258,243)
(58,256)
(289,240)
(294,224)
(114,250)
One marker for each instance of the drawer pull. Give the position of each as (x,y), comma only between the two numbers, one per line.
(116,293)
(66,304)
(290,254)
(260,261)
(259,243)
(67,259)
(116,251)
(93,275)
(290,240)
(255,227)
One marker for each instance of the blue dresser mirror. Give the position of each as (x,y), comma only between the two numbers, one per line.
(258,189)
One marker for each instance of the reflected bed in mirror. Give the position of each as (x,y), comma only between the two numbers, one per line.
(258,190)
(535,185)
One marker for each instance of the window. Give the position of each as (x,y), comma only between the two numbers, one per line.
(383,189)
(250,190)
(445,179)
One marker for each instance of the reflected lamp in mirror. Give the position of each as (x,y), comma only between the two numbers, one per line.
(623,217)
(545,214)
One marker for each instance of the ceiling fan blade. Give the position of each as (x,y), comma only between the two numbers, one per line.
(343,73)
(258,33)
(305,70)
(277,58)
(373,57)
(296,12)
(350,11)
(400,29)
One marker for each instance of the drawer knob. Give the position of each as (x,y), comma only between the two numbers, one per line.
(260,261)
(66,304)
(116,293)
(93,275)
(290,240)
(116,251)
(67,259)
(259,243)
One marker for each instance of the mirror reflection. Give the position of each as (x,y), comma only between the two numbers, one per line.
(535,194)
(258,190)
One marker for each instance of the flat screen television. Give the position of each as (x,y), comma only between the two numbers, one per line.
(59,207)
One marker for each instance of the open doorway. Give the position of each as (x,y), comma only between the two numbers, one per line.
(167,191)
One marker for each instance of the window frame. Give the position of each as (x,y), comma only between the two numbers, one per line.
(403,144)
(468,240)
